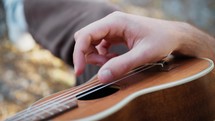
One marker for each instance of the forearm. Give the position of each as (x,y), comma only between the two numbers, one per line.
(195,42)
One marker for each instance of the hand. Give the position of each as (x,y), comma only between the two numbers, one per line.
(148,40)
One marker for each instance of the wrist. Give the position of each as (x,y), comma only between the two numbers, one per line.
(183,38)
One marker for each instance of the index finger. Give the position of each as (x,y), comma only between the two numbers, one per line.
(92,35)
(86,37)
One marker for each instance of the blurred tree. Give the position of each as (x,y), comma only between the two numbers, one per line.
(2,20)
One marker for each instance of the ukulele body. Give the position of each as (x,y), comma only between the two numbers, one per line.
(182,90)
(185,92)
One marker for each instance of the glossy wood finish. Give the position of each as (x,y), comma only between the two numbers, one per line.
(192,101)
(177,92)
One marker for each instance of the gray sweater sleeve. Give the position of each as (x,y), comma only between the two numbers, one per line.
(53,23)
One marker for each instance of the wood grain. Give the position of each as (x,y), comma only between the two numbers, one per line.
(193,101)
(181,91)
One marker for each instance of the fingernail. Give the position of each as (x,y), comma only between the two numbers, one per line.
(105,76)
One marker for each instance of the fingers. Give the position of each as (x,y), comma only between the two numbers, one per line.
(141,36)
(85,39)
(141,54)
(117,67)
(103,47)
(91,36)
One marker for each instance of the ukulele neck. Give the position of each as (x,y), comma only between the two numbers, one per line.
(45,110)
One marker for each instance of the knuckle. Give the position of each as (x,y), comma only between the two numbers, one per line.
(117,15)
(76,35)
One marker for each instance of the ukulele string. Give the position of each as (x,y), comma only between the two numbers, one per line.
(73,100)
(131,73)
(59,97)
(127,75)
(56,98)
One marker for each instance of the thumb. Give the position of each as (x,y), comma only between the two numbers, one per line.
(118,66)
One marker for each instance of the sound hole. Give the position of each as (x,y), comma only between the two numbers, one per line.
(106,91)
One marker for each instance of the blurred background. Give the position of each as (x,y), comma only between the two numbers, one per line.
(28,72)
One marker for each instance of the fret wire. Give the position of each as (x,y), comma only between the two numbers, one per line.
(41,111)
(59,105)
(49,101)
(52,102)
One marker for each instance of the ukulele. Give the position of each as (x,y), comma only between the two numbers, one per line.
(174,90)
